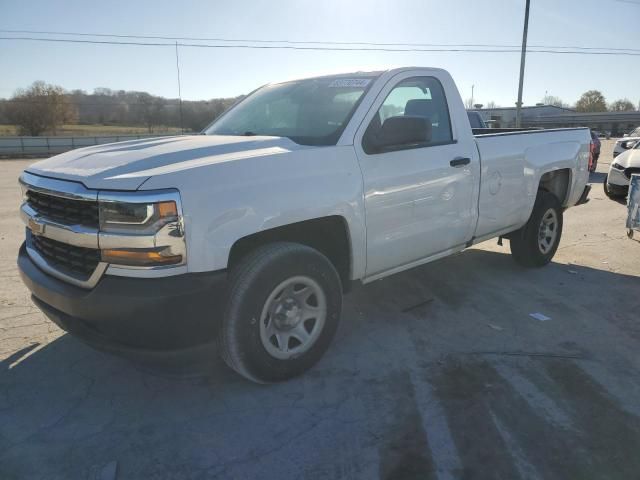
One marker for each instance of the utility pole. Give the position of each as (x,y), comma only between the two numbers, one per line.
(522,59)
(472,87)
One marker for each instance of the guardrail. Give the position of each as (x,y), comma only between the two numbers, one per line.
(42,146)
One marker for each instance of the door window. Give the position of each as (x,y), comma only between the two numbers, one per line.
(421,97)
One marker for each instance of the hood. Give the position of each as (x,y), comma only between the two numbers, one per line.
(127,165)
(627,139)
(628,158)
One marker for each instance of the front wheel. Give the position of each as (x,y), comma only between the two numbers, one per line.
(283,311)
(535,244)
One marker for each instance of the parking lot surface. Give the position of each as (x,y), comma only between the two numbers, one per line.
(440,372)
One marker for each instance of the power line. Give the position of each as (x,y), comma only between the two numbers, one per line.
(319,48)
(310,42)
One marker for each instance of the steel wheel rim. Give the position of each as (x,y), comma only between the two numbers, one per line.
(293,317)
(548,231)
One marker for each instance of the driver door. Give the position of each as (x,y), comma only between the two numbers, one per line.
(420,200)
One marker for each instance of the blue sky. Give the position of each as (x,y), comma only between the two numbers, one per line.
(209,73)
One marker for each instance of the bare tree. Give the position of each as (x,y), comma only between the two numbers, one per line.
(591,101)
(622,105)
(492,104)
(468,104)
(553,100)
(40,108)
(151,110)
(112,107)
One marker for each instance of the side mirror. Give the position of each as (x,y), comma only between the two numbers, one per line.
(403,131)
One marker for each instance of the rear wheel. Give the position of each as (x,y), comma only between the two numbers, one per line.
(535,244)
(282,313)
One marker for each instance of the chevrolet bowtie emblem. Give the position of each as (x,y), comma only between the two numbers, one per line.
(36,227)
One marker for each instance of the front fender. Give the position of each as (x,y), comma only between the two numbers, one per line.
(228,201)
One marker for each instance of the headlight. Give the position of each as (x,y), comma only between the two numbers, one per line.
(139,217)
(617,166)
(141,229)
(23,192)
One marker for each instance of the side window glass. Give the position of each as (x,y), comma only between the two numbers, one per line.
(414,115)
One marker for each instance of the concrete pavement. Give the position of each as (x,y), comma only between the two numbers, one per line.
(440,372)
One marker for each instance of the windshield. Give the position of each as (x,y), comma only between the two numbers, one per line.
(309,112)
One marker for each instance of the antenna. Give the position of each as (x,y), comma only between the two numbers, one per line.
(179,89)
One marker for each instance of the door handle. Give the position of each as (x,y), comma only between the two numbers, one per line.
(460,161)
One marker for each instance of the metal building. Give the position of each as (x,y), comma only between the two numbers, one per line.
(550,116)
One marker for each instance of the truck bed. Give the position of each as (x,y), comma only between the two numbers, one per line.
(512,164)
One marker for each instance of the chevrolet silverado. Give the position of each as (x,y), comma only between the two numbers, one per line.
(249,234)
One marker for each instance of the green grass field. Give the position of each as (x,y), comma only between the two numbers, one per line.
(90,130)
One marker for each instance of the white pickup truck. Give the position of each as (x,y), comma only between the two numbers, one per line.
(249,234)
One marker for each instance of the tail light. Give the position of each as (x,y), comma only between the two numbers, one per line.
(592,147)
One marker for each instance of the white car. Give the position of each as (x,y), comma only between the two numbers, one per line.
(250,233)
(625,143)
(616,183)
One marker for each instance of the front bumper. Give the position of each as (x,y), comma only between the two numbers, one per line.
(618,190)
(132,314)
(617,178)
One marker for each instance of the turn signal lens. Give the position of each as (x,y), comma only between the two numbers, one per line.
(140,257)
(167,209)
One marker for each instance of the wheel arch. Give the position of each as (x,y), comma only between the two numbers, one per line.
(557,182)
(329,235)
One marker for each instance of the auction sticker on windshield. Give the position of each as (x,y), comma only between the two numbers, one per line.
(350,82)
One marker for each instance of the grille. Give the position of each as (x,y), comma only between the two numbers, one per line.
(64,210)
(630,171)
(75,261)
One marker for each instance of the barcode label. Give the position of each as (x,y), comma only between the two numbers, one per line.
(350,82)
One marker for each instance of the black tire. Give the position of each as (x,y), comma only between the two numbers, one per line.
(251,283)
(525,243)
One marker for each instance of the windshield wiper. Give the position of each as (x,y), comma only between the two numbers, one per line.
(249,134)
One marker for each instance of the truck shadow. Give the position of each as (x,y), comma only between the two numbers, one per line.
(597,178)
(435,339)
